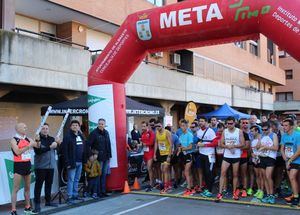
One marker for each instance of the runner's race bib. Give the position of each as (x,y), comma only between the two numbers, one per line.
(212,158)
(26,155)
(289,152)
(162,146)
(146,148)
(220,151)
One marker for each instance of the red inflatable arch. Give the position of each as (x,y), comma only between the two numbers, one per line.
(191,23)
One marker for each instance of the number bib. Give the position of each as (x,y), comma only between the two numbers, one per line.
(220,151)
(162,147)
(26,155)
(289,152)
(146,148)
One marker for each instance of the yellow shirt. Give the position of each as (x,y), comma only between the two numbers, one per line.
(163,143)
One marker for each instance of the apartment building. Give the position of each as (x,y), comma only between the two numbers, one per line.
(48,46)
(288,96)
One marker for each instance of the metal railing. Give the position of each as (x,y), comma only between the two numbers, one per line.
(56,39)
(98,51)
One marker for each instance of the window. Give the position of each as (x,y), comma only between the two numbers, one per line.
(285,96)
(270,52)
(158,3)
(254,47)
(241,45)
(289,74)
(186,61)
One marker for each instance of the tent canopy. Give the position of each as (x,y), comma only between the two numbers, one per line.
(79,107)
(225,111)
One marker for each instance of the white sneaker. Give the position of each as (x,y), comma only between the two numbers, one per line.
(184,184)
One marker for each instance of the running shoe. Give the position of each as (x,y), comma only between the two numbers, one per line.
(250,192)
(260,195)
(206,194)
(166,190)
(256,193)
(235,197)
(13,213)
(295,201)
(184,184)
(29,211)
(244,193)
(187,192)
(219,197)
(198,189)
(148,189)
(265,199)
(272,199)
(289,199)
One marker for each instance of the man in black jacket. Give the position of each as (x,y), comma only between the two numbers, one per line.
(99,140)
(44,161)
(74,149)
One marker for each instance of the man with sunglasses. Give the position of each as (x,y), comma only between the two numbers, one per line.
(268,153)
(290,150)
(244,125)
(163,143)
(232,141)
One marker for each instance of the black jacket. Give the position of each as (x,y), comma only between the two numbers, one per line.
(44,157)
(99,140)
(69,149)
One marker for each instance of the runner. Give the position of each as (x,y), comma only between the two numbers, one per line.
(254,163)
(163,143)
(207,157)
(280,163)
(232,140)
(185,149)
(175,161)
(214,124)
(290,150)
(20,146)
(244,124)
(196,163)
(147,139)
(268,152)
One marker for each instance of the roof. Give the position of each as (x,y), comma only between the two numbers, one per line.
(79,106)
(225,111)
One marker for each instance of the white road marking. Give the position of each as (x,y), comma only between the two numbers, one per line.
(144,205)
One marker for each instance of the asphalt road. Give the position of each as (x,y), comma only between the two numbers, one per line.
(147,204)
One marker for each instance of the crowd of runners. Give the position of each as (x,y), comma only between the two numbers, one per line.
(242,158)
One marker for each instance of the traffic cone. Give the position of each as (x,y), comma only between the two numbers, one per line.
(126,188)
(136,185)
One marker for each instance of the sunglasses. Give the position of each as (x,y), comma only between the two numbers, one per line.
(245,123)
(158,126)
(229,123)
(265,129)
(192,127)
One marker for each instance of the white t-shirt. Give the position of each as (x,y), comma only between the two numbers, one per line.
(268,141)
(207,139)
(232,138)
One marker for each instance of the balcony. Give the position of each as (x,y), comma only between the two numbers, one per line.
(31,61)
(287,105)
(246,97)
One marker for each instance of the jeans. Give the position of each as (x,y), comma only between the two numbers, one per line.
(73,180)
(93,185)
(43,175)
(104,166)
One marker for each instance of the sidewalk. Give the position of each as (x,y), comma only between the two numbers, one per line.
(5,209)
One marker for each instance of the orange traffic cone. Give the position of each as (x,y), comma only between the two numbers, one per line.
(126,188)
(136,185)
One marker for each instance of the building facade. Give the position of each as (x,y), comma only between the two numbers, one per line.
(288,96)
(48,46)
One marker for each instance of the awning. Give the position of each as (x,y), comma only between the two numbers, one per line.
(79,107)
